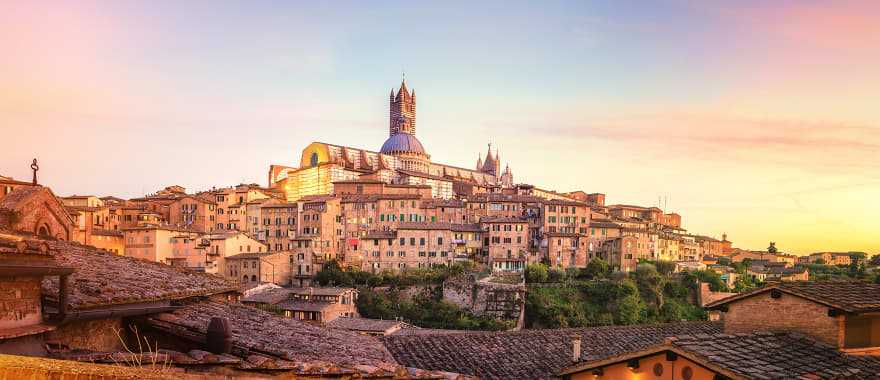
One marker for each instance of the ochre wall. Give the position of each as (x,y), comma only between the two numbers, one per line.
(671,370)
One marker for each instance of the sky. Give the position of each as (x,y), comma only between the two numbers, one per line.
(759,119)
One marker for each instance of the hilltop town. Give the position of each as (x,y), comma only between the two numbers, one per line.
(384,264)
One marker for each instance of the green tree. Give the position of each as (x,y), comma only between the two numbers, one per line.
(772,247)
(650,284)
(875,260)
(665,268)
(716,284)
(597,268)
(332,275)
(536,272)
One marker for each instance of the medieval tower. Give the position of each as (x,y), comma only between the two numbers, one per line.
(403,111)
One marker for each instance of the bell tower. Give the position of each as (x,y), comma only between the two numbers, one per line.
(402,115)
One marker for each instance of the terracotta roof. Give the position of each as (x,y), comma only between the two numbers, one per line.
(286,338)
(102,278)
(276,295)
(467,227)
(561,202)
(412,173)
(268,296)
(83,208)
(317,198)
(380,235)
(491,197)
(363,181)
(103,232)
(242,360)
(302,305)
(250,255)
(434,203)
(366,324)
(321,291)
(849,296)
(423,331)
(275,203)
(10,181)
(529,354)
(502,219)
(766,355)
(12,200)
(603,224)
(166,227)
(362,198)
(762,355)
(427,226)
(572,234)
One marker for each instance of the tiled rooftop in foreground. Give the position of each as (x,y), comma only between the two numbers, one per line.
(529,354)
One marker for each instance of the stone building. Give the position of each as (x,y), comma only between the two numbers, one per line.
(620,252)
(35,209)
(402,159)
(259,267)
(311,304)
(507,243)
(410,245)
(198,213)
(277,224)
(215,248)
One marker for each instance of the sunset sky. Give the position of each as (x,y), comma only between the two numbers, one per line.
(756,118)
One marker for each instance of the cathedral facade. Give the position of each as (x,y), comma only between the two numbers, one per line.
(402,159)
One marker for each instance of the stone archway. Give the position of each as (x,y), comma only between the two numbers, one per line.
(44,231)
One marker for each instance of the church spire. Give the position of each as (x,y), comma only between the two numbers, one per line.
(403,92)
(402,115)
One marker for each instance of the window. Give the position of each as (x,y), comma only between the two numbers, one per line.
(402,241)
(862,331)
(421,241)
(439,241)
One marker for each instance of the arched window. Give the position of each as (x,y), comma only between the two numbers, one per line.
(43,231)
(254,278)
(244,278)
(313,160)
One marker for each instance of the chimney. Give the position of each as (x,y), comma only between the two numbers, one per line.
(219,336)
(575,348)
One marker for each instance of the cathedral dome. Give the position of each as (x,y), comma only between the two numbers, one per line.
(402,143)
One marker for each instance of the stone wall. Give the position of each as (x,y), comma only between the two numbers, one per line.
(96,334)
(485,297)
(19,301)
(762,312)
